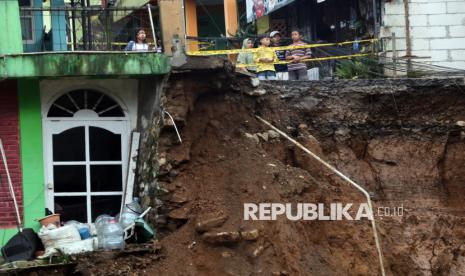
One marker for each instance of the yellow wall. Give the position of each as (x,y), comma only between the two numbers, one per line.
(191,24)
(230,17)
(171,19)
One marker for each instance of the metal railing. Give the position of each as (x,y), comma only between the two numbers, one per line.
(86,28)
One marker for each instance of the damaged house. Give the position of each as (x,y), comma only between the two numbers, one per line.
(68,109)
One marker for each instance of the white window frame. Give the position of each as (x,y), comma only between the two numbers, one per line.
(31,16)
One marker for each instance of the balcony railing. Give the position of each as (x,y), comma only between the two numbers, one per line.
(86,29)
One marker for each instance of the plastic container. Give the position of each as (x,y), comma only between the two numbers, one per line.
(102,219)
(84,232)
(131,212)
(110,235)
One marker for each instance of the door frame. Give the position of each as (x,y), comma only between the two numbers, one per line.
(64,124)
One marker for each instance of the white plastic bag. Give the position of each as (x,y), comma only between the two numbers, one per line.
(58,238)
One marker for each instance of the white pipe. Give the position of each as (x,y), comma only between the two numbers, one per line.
(174,124)
(10,184)
(360,188)
(153,28)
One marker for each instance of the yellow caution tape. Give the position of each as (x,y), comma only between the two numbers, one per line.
(305,60)
(253,50)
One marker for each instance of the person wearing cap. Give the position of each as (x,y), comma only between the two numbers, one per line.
(281,69)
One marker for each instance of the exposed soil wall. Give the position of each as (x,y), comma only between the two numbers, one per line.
(402,140)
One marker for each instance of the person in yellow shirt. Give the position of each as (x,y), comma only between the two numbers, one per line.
(264,58)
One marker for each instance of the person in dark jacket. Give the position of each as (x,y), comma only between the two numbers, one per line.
(281,69)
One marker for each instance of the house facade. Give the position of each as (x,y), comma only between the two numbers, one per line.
(67,115)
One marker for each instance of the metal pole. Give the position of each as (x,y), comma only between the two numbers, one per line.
(394,53)
(10,184)
(73,23)
(153,28)
(89,27)
(358,187)
(375,19)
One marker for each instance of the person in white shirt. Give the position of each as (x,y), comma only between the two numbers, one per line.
(140,44)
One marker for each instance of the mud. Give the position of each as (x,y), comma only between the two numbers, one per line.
(402,140)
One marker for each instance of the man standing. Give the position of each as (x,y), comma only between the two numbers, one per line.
(297,69)
(281,69)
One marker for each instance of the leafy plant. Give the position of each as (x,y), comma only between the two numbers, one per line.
(359,68)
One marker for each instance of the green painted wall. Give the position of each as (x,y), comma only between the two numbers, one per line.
(103,64)
(32,162)
(30,124)
(10,26)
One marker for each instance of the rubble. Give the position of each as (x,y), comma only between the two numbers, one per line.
(372,143)
(221,237)
(208,224)
(251,235)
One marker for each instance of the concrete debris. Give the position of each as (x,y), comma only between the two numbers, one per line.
(251,235)
(192,245)
(263,135)
(256,92)
(221,237)
(273,134)
(162,161)
(206,225)
(226,254)
(258,251)
(280,273)
(254,137)
(255,82)
(460,123)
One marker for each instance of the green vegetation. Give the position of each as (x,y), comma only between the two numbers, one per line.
(359,68)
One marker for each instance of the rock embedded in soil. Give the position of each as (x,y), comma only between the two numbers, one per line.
(208,224)
(181,214)
(253,137)
(273,134)
(251,235)
(263,135)
(221,237)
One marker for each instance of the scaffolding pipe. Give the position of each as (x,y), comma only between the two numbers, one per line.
(360,188)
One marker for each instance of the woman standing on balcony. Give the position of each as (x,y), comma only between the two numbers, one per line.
(140,43)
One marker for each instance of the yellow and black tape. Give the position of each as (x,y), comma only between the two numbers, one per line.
(253,50)
(307,60)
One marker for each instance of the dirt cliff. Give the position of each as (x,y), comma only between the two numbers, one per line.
(402,140)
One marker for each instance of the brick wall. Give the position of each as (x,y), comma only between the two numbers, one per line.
(437,30)
(9,133)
